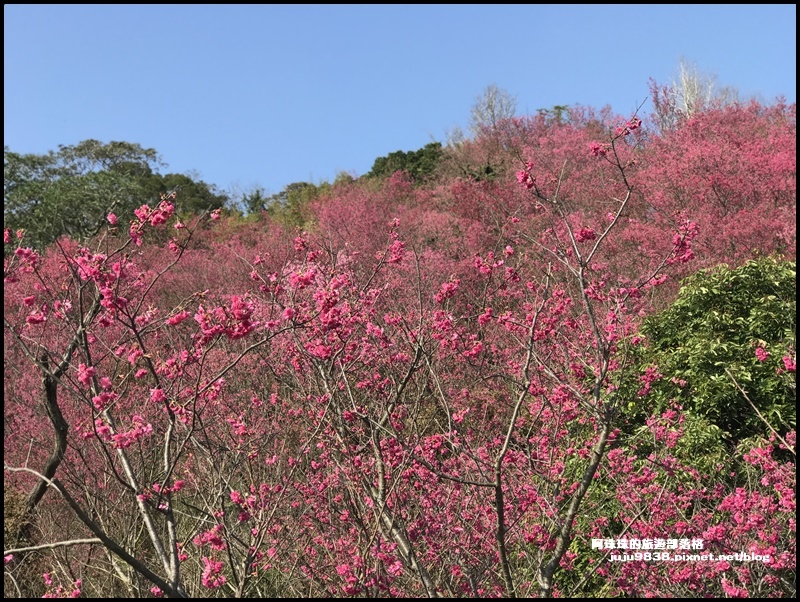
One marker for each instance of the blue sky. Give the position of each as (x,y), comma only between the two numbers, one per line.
(266,95)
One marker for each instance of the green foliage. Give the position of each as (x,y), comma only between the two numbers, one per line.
(254,201)
(701,445)
(558,115)
(194,195)
(288,206)
(420,164)
(70,191)
(720,318)
(482,173)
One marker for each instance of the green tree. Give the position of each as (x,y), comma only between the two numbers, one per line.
(195,195)
(70,191)
(254,201)
(420,164)
(557,115)
(729,327)
(288,206)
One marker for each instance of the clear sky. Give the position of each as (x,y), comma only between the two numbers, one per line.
(266,95)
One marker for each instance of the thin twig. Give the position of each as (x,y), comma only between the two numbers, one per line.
(764,420)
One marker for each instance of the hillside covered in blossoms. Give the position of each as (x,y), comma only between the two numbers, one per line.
(556,358)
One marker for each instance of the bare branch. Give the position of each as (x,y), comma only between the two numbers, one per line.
(55,544)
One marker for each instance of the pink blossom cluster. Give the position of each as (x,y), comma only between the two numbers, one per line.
(525,177)
(447,290)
